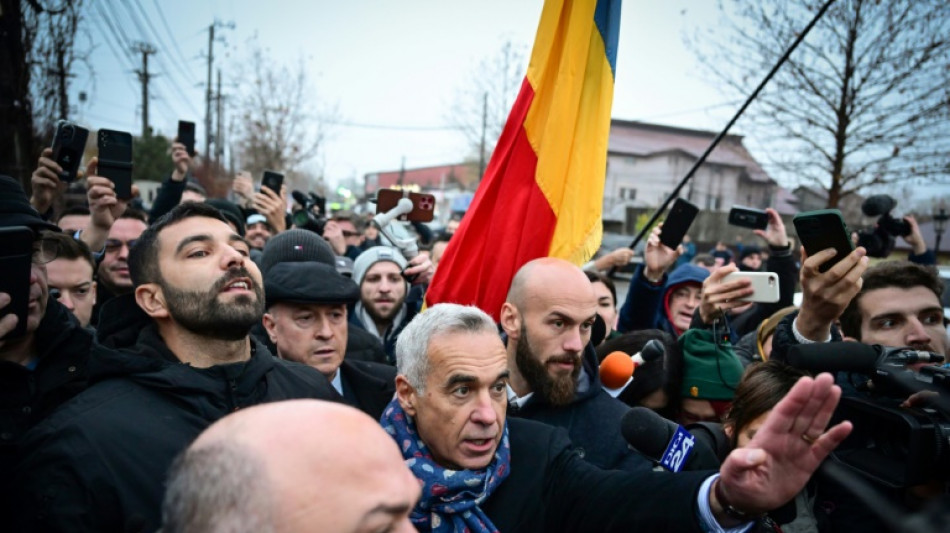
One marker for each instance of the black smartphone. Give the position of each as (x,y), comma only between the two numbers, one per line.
(273,181)
(677,223)
(16,251)
(115,160)
(68,147)
(423,205)
(186,136)
(823,229)
(748,217)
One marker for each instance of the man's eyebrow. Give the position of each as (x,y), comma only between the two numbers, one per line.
(457,379)
(188,240)
(503,375)
(237,238)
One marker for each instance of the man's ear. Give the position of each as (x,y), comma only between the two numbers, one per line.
(511,320)
(271,326)
(151,299)
(92,290)
(406,394)
(728,429)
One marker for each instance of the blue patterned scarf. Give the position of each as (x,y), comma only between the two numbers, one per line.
(450,498)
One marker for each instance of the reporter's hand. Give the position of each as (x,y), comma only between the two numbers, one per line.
(785,452)
(617,258)
(104,207)
(46,183)
(7,323)
(826,295)
(421,267)
(774,234)
(333,233)
(243,187)
(915,239)
(658,257)
(181,161)
(273,207)
(719,297)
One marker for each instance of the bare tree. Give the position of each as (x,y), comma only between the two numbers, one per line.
(863,102)
(489,93)
(37,54)
(279,125)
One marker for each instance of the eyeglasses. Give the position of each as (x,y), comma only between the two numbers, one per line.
(44,251)
(351,233)
(114,245)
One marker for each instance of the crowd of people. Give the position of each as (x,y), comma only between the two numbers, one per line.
(206,366)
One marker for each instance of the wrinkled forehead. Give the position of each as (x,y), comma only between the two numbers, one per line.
(171,237)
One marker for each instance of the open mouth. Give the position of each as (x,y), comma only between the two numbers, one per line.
(238,285)
(480,445)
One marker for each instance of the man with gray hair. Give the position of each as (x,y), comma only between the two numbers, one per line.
(481,472)
(231,480)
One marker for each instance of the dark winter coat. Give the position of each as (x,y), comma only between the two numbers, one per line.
(99,462)
(27,396)
(368,386)
(550,488)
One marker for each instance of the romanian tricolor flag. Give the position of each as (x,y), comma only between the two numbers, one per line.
(543,189)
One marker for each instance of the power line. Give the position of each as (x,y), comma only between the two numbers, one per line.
(131,15)
(161,15)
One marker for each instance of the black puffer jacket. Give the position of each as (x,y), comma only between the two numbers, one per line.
(99,462)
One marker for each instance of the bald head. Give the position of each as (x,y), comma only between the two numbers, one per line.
(548,316)
(545,276)
(323,466)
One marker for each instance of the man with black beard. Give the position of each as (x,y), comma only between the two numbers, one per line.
(550,309)
(170,360)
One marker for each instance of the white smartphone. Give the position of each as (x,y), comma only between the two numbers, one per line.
(764,285)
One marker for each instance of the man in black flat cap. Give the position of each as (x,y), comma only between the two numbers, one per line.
(306,318)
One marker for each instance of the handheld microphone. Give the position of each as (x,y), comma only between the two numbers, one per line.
(854,356)
(616,370)
(666,442)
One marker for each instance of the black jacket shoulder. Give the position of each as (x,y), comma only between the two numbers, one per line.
(368,386)
(551,489)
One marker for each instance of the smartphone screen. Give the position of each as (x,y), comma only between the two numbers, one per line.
(677,223)
(16,250)
(115,160)
(186,136)
(423,205)
(823,229)
(273,181)
(748,217)
(68,147)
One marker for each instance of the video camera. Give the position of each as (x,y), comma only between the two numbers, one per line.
(310,215)
(879,241)
(895,446)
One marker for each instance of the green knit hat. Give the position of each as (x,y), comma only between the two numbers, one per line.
(709,372)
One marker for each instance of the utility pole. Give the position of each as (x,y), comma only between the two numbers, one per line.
(208,94)
(218,136)
(144,76)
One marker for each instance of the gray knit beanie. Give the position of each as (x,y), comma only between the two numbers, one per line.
(371,257)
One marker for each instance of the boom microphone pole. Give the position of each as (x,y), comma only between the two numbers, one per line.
(722,134)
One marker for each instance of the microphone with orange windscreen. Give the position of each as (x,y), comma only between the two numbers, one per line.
(616,370)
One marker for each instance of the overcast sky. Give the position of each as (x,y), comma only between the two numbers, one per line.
(391,68)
